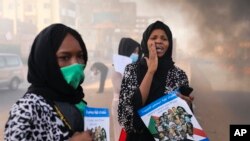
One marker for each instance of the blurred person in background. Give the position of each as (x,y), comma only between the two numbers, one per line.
(102,69)
(52,107)
(129,48)
(149,79)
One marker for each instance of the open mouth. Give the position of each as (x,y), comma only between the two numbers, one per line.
(159,49)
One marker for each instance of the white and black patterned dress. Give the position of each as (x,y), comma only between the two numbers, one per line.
(33,119)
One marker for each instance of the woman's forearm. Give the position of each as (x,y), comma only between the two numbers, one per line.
(145,86)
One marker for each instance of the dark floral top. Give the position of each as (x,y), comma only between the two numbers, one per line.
(130,96)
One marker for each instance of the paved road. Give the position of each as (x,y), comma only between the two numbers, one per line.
(218,109)
(215,110)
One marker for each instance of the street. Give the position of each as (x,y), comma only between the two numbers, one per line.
(215,110)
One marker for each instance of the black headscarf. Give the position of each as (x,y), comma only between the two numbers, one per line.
(127,46)
(43,70)
(164,63)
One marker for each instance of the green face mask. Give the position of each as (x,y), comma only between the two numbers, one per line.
(73,74)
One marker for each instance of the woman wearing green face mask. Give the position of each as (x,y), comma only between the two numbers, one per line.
(52,107)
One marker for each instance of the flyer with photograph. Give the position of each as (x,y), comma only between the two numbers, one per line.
(97,121)
(120,62)
(169,118)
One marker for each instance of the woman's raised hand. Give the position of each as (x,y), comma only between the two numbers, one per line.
(152,60)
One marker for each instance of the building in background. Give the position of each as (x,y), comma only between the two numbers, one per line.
(21,20)
(102,24)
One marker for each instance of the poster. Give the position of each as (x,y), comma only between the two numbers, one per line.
(169,118)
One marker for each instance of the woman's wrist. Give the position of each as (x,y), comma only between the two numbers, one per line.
(151,72)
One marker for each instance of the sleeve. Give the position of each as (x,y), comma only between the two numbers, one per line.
(18,126)
(176,78)
(183,79)
(129,100)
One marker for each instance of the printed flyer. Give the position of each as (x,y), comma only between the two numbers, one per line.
(170,119)
(97,121)
(120,62)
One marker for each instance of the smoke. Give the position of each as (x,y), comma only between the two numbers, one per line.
(217,22)
(215,31)
(224,29)
(223,21)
